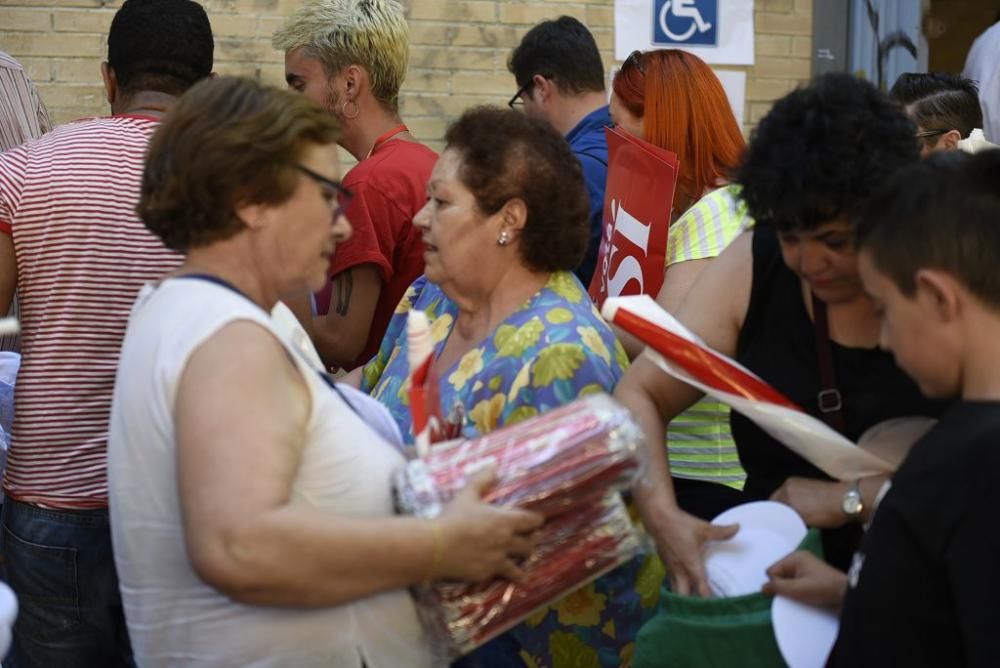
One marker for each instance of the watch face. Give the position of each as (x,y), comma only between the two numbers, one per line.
(852,504)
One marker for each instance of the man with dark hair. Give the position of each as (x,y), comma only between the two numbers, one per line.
(73,246)
(921,591)
(944,106)
(560,79)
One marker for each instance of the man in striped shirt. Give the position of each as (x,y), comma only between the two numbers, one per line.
(74,248)
(23,116)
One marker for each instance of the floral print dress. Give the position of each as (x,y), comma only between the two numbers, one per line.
(551,351)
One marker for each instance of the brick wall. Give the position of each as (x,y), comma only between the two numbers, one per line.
(458,49)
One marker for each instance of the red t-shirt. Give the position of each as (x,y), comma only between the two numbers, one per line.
(389,189)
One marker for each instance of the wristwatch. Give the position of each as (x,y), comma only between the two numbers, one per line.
(852,504)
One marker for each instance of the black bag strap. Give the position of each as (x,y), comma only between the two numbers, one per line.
(829,399)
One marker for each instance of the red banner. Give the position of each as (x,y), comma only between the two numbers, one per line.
(637,201)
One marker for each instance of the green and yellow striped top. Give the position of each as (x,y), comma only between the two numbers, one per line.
(699,443)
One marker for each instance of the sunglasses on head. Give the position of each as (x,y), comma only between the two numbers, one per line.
(635,58)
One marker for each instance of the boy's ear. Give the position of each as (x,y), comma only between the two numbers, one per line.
(949,140)
(938,293)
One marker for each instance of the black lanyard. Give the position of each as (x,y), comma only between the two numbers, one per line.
(209,278)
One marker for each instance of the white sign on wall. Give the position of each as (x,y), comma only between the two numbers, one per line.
(735,83)
(719,32)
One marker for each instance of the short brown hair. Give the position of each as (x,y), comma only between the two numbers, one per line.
(562,50)
(938,213)
(506,155)
(227,142)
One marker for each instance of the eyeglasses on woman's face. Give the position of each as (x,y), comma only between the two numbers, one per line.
(337,189)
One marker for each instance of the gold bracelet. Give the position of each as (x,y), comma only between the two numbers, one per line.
(438,551)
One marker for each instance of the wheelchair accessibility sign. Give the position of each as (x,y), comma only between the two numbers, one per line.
(686,22)
(720,32)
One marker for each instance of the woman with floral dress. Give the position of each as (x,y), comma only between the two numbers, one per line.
(515,335)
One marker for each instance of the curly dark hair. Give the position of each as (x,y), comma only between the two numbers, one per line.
(227,142)
(939,213)
(821,152)
(506,155)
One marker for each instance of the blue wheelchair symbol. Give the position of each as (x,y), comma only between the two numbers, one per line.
(688,22)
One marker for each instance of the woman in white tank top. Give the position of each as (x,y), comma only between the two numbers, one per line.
(251,507)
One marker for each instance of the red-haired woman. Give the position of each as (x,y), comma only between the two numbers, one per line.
(672,99)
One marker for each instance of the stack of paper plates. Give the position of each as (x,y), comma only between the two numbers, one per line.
(769,531)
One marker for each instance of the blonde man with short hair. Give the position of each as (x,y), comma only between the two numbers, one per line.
(350,57)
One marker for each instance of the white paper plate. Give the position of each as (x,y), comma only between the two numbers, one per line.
(739,566)
(8,606)
(769,531)
(770,515)
(8,613)
(805,634)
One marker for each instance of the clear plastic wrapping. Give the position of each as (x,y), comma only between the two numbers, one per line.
(570,465)
(547,464)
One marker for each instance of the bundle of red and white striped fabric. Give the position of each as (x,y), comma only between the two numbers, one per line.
(570,465)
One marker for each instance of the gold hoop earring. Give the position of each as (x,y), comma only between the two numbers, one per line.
(343,110)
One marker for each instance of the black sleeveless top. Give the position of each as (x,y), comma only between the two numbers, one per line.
(778,343)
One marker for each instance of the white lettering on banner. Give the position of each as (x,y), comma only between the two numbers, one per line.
(630,268)
(628,225)
(626,271)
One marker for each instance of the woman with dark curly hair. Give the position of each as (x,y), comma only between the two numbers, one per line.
(515,333)
(251,506)
(775,300)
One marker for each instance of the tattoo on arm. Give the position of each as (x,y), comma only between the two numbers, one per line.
(343,286)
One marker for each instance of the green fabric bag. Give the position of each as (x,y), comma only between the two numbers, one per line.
(689,631)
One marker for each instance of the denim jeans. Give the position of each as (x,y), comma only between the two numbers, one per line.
(60,565)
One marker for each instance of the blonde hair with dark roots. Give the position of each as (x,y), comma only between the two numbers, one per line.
(339,33)
(227,142)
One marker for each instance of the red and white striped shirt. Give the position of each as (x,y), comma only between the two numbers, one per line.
(68,199)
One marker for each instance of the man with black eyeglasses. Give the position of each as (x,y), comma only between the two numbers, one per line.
(560,79)
(944,106)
